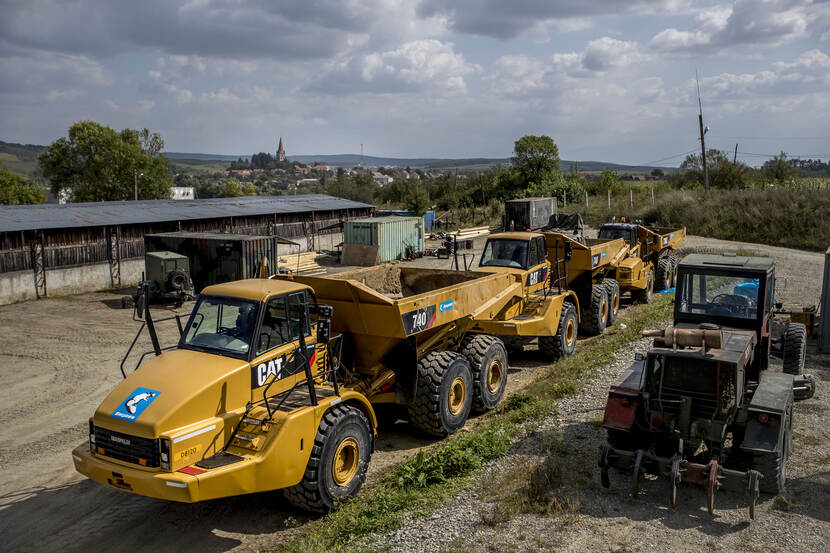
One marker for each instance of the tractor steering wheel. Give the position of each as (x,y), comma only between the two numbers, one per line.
(731,305)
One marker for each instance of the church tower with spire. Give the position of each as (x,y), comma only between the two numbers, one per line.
(280,152)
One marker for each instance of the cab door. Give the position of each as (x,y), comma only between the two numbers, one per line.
(538,267)
(277,349)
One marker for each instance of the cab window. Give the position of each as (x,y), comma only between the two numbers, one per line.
(537,251)
(503,252)
(281,323)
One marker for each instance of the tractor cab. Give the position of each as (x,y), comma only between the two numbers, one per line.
(520,253)
(730,292)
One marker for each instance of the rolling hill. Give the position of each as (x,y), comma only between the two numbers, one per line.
(22,158)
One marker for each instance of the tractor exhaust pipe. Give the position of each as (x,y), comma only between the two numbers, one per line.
(685,337)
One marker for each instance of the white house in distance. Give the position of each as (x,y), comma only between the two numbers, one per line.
(381,179)
(182,193)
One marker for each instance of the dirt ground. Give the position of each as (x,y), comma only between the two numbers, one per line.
(59,358)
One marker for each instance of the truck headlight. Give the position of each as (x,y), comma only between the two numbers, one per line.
(91,436)
(164,453)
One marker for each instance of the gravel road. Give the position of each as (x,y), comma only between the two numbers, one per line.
(59,358)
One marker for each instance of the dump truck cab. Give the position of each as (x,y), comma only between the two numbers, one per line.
(519,253)
(626,231)
(236,406)
(547,310)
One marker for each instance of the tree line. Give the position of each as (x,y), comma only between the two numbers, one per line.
(97,163)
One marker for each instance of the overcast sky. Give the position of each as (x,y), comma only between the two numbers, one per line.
(608,80)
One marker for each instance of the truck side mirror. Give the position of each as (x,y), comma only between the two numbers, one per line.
(140,302)
(323,331)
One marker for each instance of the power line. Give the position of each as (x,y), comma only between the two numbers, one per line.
(670,157)
(772,137)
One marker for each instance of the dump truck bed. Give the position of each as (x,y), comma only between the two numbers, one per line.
(587,255)
(660,238)
(381,306)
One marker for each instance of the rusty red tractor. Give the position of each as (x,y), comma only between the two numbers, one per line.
(702,407)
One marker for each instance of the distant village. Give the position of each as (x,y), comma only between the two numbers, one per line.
(280,174)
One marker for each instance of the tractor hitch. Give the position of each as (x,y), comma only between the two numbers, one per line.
(711,476)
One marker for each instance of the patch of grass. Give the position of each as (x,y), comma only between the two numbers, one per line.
(419,484)
(788,217)
(781,503)
(460,456)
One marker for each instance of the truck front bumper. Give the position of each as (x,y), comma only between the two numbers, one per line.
(172,486)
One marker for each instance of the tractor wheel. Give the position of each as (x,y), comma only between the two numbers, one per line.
(563,342)
(772,466)
(488,362)
(795,348)
(339,459)
(595,315)
(645,295)
(612,289)
(444,395)
(664,274)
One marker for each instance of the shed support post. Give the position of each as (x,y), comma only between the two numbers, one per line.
(39,264)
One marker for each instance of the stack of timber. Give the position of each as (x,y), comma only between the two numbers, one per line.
(303,263)
(473,232)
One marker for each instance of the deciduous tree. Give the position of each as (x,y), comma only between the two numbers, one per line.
(98,163)
(536,158)
(18,190)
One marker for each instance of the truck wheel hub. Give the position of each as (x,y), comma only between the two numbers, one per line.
(458,394)
(494,376)
(346,460)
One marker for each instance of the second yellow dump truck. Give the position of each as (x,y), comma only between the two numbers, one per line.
(273,383)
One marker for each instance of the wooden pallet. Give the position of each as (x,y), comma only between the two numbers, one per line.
(303,263)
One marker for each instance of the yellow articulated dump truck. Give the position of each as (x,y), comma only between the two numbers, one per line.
(546,303)
(590,267)
(652,263)
(273,382)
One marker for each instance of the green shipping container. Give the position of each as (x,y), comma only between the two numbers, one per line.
(396,237)
(217,257)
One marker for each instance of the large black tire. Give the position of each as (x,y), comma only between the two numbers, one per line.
(675,261)
(664,274)
(488,363)
(644,296)
(177,280)
(563,342)
(595,314)
(612,288)
(795,348)
(773,466)
(443,397)
(339,458)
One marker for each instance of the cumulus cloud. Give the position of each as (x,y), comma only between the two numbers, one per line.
(746,22)
(416,66)
(506,20)
(795,87)
(33,72)
(523,75)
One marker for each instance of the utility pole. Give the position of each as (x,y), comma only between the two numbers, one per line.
(735,157)
(135,184)
(702,141)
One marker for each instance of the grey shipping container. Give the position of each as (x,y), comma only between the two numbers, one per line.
(217,257)
(396,237)
(528,213)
